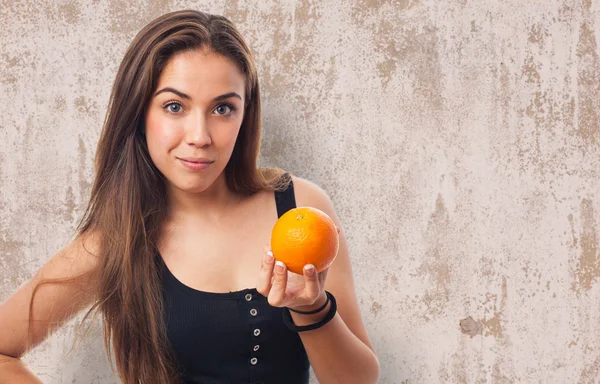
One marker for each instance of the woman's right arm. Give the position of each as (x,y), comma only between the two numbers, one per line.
(53,305)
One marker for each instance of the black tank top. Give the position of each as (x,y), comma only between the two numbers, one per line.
(235,337)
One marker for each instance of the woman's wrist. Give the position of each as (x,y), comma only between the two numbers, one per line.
(319,302)
(307,319)
(309,322)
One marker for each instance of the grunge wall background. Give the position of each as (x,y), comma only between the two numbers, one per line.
(459,141)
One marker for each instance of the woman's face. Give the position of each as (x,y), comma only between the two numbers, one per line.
(193,118)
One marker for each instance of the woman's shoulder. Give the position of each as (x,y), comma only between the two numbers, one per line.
(310,194)
(307,193)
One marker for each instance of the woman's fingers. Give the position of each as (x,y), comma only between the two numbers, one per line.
(312,287)
(273,283)
(266,273)
(277,294)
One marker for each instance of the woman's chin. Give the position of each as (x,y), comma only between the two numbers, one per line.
(194,188)
(199,185)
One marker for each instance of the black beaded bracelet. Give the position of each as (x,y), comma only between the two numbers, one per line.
(322,307)
(289,322)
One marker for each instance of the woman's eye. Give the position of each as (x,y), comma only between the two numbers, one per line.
(173,107)
(223,109)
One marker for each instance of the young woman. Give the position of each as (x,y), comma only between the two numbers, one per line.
(173,247)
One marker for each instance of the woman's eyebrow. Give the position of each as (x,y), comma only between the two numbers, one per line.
(172,90)
(187,97)
(227,96)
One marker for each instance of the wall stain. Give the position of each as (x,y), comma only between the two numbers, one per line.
(573,232)
(364,10)
(388,45)
(588,86)
(588,267)
(60,103)
(12,262)
(437,261)
(85,105)
(69,210)
(397,45)
(491,325)
(376,308)
(3,197)
(537,34)
(294,57)
(68,12)
(394,279)
(502,366)
(14,63)
(306,12)
(126,18)
(460,364)
(85,186)
(590,372)
(236,12)
(499,375)
(531,71)
(540,122)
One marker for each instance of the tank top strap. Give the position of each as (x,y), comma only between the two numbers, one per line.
(285,199)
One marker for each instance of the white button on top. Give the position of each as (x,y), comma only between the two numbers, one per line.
(256,347)
(248,297)
(253,361)
(253,312)
(256,332)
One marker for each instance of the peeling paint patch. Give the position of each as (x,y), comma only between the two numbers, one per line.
(492,326)
(470,327)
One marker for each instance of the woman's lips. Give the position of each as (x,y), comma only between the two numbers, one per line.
(195,166)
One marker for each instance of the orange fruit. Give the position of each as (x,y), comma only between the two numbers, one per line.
(305,235)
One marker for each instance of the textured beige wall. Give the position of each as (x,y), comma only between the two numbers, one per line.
(459,141)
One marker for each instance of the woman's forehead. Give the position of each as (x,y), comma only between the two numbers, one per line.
(200,72)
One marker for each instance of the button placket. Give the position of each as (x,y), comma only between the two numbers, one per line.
(255,320)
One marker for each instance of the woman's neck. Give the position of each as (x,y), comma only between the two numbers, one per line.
(208,206)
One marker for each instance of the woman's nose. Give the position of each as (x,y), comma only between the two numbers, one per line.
(197,131)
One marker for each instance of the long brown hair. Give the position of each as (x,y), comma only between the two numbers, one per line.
(127,202)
